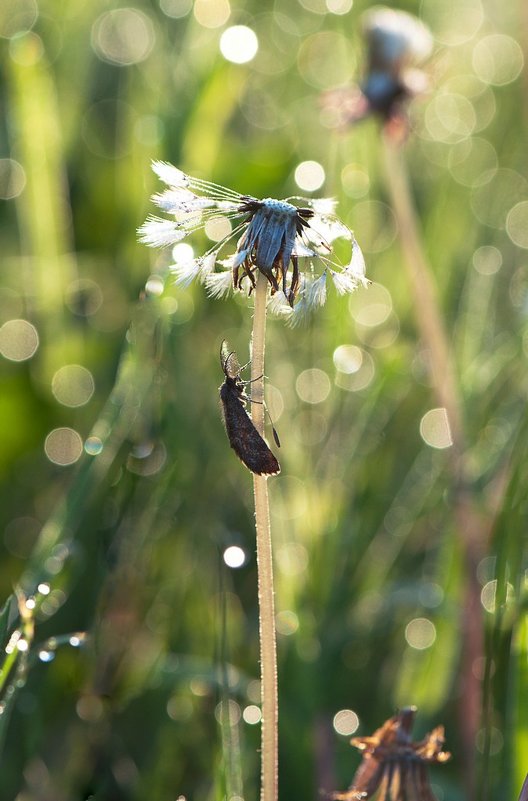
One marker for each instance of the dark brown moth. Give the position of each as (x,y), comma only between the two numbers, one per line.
(243,437)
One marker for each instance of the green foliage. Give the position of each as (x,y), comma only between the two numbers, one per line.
(116,525)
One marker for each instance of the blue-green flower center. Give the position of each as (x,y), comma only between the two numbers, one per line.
(279,206)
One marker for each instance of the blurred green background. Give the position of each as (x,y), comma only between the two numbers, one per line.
(119,493)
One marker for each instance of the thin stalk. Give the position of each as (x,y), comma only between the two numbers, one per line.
(268,648)
(424,293)
(472,528)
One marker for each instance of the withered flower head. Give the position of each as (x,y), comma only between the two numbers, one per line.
(393,766)
(281,239)
(397,42)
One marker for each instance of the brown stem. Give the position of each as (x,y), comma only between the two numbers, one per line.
(471,527)
(268,648)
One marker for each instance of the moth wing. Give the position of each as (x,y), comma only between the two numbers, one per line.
(244,438)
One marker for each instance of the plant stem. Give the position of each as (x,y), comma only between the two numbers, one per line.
(424,293)
(472,528)
(268,648)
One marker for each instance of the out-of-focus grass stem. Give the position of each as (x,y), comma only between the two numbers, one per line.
(429,318)
(268,649)
(472,528)
(42,207)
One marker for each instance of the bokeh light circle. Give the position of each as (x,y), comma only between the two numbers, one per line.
(325,59)
(182,253)
(239,44)
(17,16)
(472,161)
(228,711)
(339,6)
(287,622)
(517,224)
(12,179)
(489,741)
(420,633)
(497,59)
(355,368)
(252,714)
(63,446)
(234,556)
(348,358)
(489,592)
(370,306)
(309,176)
(453,21)
(450,117)
(93,446)
(211,13)
(313,385)
(355,180)
(73,385)
(435,430)
(176,8)
(218,228)
(123,36)
(19,340)
(346,722)
(154,286)
(84,297)
(487,260)
(492,201)
(292,559)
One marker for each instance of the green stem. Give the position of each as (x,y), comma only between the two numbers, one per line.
(268,648)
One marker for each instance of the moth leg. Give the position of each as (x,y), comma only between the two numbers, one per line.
(284,281)
(252,380)
(273,429)
(294,281)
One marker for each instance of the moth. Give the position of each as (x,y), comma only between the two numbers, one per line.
(243,437)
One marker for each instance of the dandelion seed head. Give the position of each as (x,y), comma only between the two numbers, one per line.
(158,232)
(357,266)
(274,237)
(316,292)
(170,174)
(278,304)
(279,207)
(219,285)
(343,282)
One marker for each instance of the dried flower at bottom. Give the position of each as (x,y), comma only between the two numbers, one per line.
(282,240)
(393,766)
